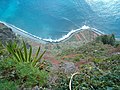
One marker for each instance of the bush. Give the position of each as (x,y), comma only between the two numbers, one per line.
(24,74)
(21,69)
(30,76)
(106,39)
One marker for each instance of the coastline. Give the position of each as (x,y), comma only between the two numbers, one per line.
(23,33)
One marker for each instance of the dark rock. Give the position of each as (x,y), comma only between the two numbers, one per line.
(6,34)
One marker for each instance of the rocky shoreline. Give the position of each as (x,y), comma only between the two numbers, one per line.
(67,37)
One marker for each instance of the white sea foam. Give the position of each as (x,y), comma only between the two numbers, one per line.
(84,27)
(24,33)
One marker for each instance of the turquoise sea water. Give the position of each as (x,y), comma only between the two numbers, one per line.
(55,18)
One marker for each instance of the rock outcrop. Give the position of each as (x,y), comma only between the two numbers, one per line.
(6,34)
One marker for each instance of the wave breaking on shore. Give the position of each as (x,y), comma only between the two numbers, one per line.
(34,37)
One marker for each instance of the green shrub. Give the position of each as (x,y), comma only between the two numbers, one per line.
(22,73)
(107,39)
(21,69)
(30,76)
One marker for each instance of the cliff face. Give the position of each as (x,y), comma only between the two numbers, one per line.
(6,34)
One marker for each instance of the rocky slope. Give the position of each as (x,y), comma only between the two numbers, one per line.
(6,34)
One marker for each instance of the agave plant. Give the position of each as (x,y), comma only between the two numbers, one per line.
(22,54)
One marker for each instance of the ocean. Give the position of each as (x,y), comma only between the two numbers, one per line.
(53,19)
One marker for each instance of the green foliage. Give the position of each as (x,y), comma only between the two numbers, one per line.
(101,75)
(3,52)
(7,85)
(97,60)
(21,68)
(107,39)
(90,51)
(62,83)
(23,73)
(92,77)
(30,76)
(78,58)
(21,54)
(1,47)
(117,43)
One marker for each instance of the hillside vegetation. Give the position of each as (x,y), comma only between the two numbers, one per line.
(70,65)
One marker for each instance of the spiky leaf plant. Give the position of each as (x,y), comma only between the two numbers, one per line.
(22,54)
